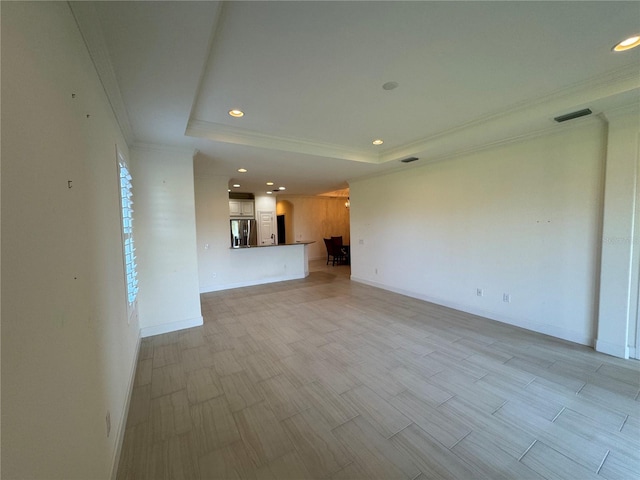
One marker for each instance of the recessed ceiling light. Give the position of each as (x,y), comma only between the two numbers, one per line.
(228,190)
(242,170)
(390,85)
(236,185)
(377,141)
(269,183)
(236,113)
(269,192)
(281,188)
(627,44)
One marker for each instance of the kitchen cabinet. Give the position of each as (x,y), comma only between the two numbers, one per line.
(241,208)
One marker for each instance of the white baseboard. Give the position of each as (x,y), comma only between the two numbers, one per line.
(613,349)
(122,425)
(551,330)
(171,327)
(250,283)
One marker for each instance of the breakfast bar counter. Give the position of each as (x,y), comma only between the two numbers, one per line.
(259,264)
(306,242)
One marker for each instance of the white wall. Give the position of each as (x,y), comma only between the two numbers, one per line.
(165,235)
(619,273)
(221,267)
(521,219)
(265,203)
(68,352)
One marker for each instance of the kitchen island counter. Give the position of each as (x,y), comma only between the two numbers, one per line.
(305,242)
(257,265)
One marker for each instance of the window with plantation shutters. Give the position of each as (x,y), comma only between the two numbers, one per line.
(126,204)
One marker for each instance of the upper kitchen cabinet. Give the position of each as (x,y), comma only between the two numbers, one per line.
(241,208)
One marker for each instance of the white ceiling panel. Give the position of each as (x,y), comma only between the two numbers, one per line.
(309,77)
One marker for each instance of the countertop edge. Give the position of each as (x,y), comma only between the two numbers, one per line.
(279,245)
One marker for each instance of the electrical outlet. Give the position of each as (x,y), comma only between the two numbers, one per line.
(479,292)
(506,298)
(361,242)
(108,420)
(214,274)
(376,271)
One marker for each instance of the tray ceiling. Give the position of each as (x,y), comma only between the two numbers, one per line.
(309,76)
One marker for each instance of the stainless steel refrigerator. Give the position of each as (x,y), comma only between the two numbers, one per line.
(244,233)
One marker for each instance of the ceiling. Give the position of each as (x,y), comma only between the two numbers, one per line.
(309,76)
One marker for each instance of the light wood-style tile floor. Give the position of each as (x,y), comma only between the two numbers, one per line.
(327,378)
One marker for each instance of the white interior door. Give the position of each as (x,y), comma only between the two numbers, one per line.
(267,228)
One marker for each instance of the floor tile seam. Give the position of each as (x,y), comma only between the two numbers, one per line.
(403,429)
(286,417)
(623,423)
(460,439)
(208,399)
(138,385)
(498,408)
(602,426)
(493,414)
(200,456)
(366,414)
(570,403)
(453,394)
(489,428)
(602,462)
(163,439)
(527,450)
(295,445)
(558,414)
(197,404)
(267,464)
(573,460)
(625,399)
(549,440)
(166,393)
(437,441)
(331,429)
(594,377)
(611,439)
(154,367)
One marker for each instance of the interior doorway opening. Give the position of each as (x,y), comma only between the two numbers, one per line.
(284,222)
(282,233)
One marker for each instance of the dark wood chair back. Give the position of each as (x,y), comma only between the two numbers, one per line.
(333,250)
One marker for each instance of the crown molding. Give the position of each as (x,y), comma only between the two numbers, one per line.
(224,133)
(523,120)
(530,135)
(463,152)
(632,108)
(90,29)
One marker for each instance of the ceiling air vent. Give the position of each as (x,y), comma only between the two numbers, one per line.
(409,160)
(572,115)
